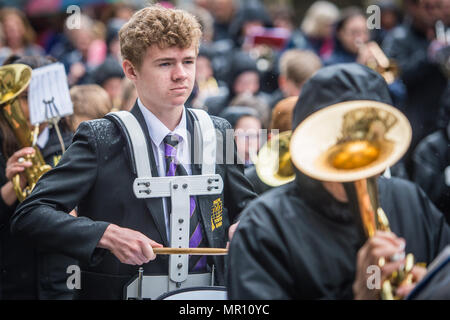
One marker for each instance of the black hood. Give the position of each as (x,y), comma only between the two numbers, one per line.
(339,83)
(331,85)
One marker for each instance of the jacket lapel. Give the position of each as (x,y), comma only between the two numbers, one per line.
(154,205)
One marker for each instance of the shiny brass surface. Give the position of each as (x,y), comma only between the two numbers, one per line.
(273,164)
(14,80)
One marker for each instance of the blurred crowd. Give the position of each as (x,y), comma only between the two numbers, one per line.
(255,56)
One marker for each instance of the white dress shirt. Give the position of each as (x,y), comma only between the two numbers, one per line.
(158,131)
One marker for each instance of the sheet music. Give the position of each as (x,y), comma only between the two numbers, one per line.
(48,94)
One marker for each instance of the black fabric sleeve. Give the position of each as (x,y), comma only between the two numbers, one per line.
(43,217)
(258,265)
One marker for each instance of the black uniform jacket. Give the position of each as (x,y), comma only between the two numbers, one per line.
(95,174)
(298,241)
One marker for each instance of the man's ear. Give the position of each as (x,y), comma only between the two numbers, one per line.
(129,70)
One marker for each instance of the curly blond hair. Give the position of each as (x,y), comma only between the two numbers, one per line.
(156,25)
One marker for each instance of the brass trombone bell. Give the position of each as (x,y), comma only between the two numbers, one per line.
(331,144)
(273,163)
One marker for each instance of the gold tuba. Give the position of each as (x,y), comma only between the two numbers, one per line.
(14,79)
(355,142)
(273,163)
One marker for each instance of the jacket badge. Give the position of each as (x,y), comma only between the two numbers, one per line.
(216,217)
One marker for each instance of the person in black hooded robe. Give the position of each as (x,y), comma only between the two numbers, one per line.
(299,241)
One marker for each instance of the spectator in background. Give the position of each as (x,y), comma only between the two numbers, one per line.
(317,26)
(247,125)
(409,45)
(90,102)
(282,17)
(206,20)
(109,76)
(389,19)
(431,161)
(296,67)
(112,39)
(350,34)
(243,77)
(18,34)
(76,61)
(206,83)
(247,18)
(281,121)
(223,12)
(251,101)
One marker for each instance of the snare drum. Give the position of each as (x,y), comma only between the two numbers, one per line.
(196,293)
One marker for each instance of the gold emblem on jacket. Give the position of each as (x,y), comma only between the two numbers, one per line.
(216,217)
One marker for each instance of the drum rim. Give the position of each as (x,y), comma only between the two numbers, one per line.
(201,288)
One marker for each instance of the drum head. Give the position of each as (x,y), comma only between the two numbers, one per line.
(196,293)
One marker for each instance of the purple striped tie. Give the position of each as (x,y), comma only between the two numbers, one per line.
(173,167)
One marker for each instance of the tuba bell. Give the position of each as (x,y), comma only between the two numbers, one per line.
(368,138)
(14,80)
(273,163)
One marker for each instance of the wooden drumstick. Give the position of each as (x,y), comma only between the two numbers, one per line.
(191,251)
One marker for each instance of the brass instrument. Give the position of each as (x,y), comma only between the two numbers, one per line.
(273,163)
(379,62)
(14,80)
(371,137)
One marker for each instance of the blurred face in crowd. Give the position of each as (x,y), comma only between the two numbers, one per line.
(14,30)
(222,10)
(165,78)
(353,33)
(113,87)
(246,82)
(425,13)
(204,69)
(247,133)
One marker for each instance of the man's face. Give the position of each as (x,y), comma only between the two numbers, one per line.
(166,77)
